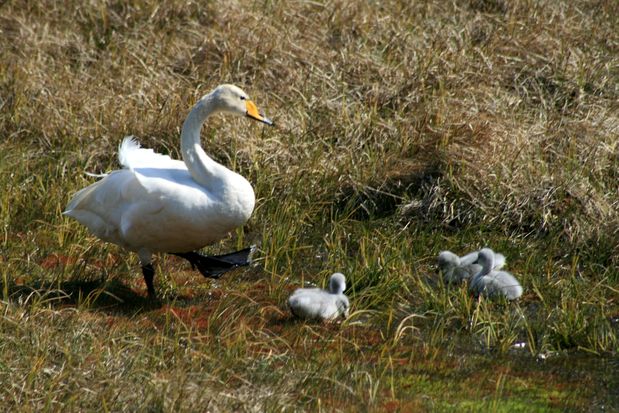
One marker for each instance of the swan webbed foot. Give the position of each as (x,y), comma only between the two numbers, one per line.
(214,266)
(149,274)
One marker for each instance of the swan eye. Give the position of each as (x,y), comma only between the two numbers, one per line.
(243,97)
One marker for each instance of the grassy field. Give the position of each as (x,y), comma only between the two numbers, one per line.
(403,128)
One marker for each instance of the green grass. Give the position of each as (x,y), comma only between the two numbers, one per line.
(403,128)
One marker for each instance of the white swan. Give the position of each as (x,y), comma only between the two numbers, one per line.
(493,283)
(315,303)
(456,269)
(157,204)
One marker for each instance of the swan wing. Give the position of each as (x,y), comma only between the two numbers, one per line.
(497,283)
(333,306)
(507,285)
(101,206)
(152,206)
(153,212)
(312,303)
(306,291)
(304,305)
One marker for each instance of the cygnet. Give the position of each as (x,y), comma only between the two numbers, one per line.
(315,303)
(456,269)
(492,283)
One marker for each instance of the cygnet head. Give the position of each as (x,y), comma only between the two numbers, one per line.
(447,259)
(230,98)
(486,260)
(337,283)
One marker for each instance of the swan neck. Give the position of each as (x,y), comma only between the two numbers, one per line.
(488,264)
(336,286)
(202,168)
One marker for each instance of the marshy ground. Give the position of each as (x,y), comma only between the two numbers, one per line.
(403,128)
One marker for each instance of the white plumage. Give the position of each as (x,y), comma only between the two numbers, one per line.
(155,205)
(315,303)
(492,283)
(158,204)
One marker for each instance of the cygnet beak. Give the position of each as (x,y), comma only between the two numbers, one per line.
(252,112)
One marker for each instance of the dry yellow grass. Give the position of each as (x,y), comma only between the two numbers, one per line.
(403,128)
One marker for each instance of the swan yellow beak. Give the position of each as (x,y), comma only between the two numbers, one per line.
(252,112)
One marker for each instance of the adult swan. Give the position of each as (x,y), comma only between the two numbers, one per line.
(157,204)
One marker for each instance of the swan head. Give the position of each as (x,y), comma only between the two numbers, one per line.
(337,283)
(447,259)
(231,99)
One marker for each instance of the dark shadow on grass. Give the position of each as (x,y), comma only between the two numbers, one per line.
(112,297)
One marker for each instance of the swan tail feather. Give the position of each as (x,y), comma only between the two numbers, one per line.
(126,151)
(93,175)
(132,156)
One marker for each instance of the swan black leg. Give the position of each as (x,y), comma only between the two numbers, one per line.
(149,275)
(214,266)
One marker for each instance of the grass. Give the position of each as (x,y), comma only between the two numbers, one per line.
(402,129)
